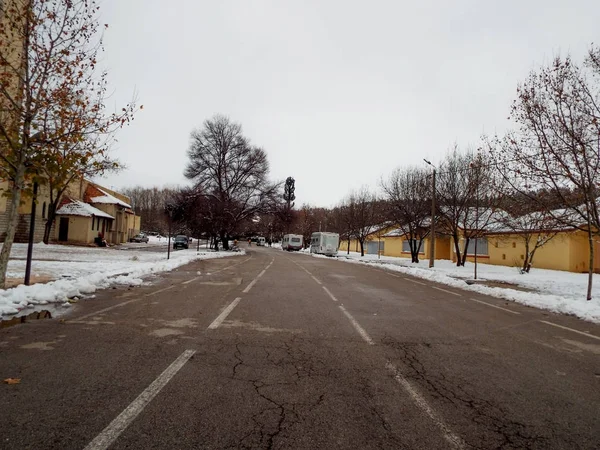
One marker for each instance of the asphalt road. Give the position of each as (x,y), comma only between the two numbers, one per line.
(280,350)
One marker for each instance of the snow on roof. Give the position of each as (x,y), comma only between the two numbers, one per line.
(77,208)
(108,199)
(394,233)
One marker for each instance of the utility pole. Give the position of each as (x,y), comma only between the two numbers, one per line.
(476,218)
(31,235)
(432,232)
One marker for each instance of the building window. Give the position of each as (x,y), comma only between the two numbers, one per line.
(482,246)
(406,245)
(44,210)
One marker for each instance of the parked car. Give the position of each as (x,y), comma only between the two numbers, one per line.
(139,238)
(180,241)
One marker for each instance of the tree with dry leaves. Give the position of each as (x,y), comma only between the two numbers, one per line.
(52,96)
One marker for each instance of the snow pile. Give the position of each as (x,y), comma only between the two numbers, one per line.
(80,271)
(552,290)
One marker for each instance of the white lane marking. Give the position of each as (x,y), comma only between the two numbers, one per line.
(253,282)
(330,294)
(494,306)
(571,329)
(316,279)
(357,327)
(454,440)
(414,281)
(160,290)
(446,291)
(217,271)
(233,265)
(219,320)
(190,281)
(95,313)
(117,426)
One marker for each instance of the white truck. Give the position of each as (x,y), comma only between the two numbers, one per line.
(292,242)
(324,243)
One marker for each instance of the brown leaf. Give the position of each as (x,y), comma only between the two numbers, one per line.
(12,380)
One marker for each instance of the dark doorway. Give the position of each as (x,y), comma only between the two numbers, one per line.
(63,229)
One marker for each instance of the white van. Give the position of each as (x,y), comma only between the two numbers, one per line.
(324,243)
(292,242)
(260,241)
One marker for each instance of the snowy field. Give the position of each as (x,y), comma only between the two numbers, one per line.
(65,271)
(553,290)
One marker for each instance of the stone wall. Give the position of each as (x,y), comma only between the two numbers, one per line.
(22,233)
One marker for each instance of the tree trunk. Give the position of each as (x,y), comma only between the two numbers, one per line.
(464,255)
(526,258)
(362,247)
(456,249)
(224,241)
(591,268)
(530,263)
(49,222)
(216,241)
(348,247)
(11,228)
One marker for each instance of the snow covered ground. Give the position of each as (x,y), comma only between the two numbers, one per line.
(80,271)
(553,290)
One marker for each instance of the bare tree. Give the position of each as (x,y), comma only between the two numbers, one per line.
(534,228)
(557,145)
(149,204)
(363,215)
(408,193)
(232,172)
(468,195)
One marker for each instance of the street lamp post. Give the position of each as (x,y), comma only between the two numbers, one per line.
(432,232)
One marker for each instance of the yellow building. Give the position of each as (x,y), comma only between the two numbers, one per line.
(568,250)
(397,244)
(102,213)
(372,242)
(107,212)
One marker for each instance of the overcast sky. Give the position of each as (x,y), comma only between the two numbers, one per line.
(338,92)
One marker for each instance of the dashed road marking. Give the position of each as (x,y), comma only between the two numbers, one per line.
(454,440)
(233,265)
(446,291)
(95,313)
(217,271)
(106,438)
(159,291)
(414,281)
(494,306)
(219,320)
(583,333)
(253,282)
(316,279)
(357,327)
(330,294)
